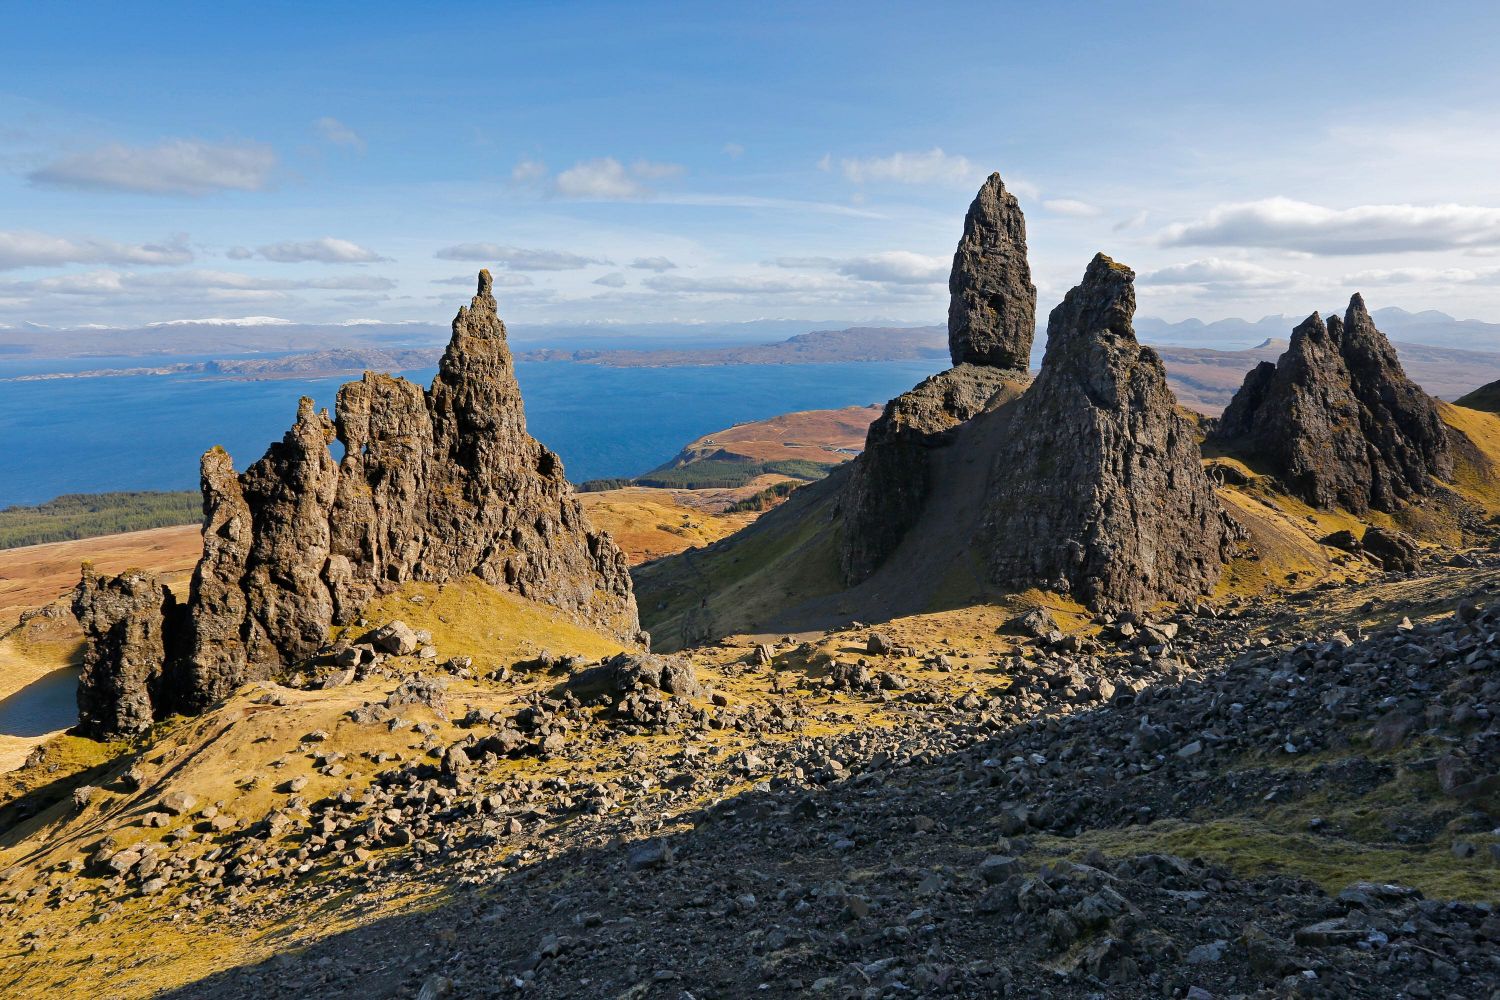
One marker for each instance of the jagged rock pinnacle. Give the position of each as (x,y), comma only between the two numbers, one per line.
(992,304)
(1337,420)
(432,486)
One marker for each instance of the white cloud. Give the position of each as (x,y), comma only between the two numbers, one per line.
(1135,221)
(517,258)
(1217,273)
(1071,207)
(897,266)
(652,171)
(657,264)
(528,170)
(931,167)
(178,166)
(500,279)
(606,179)
(340,134)
(734,150)
(31,249)
(325,251)
(222,321)
(193,283)
(1427,275)
(1284,224)
(734,284)
(613,279)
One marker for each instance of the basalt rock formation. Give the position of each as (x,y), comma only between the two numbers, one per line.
(1337,420)
(126,620)
(991,324)
(992,302)
(432,486)
(1099,490)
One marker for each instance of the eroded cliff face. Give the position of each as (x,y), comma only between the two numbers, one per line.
(991,325)
(1099,489)
(432,486)
(1337,420)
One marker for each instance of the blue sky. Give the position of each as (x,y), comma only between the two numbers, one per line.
(687,162)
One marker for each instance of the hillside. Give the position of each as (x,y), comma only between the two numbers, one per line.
(1486,398)
(800,446)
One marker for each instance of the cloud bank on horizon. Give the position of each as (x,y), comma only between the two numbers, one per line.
(669,164)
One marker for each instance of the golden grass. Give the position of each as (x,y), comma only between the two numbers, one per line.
(651,523)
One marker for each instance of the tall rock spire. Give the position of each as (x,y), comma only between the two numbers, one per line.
(1100,490)
(991,324)
(992,304)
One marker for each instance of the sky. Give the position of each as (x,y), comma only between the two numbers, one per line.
(668,163)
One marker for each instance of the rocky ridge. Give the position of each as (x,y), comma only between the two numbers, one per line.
(1099,490)
(432,486)
(1337,420)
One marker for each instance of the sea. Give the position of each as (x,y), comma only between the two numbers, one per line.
(146,432)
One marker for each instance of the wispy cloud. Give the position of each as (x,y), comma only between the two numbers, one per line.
(193,283)
(607,179)
(900,267)
(340,134)
(1285,224)
(1426,275)
(1219,274)
(613,279)
(500,279)
(931,167)
(1071,207)
(326,250)
(657,264)
(518,258)
(21,248)
(178,166)
(528,171)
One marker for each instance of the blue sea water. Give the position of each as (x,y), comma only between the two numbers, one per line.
(88,435)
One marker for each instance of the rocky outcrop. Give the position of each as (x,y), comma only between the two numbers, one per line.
(991,324)
(432,486)
(992,302)
(126,620)
(1099,491)
(1337,420)
(890,481)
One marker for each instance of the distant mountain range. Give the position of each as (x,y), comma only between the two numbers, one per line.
(1206,362)
(860,343)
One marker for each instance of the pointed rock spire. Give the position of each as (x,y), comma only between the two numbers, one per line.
(1337,420)
(992,304)
(1100,491)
